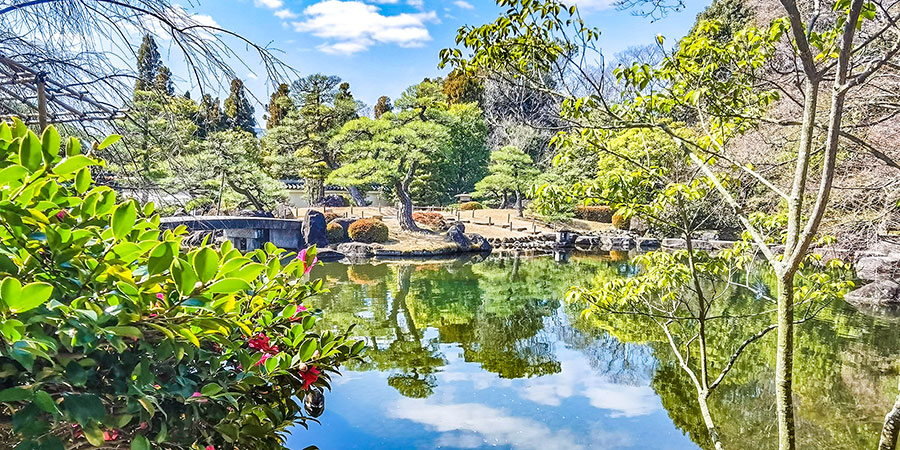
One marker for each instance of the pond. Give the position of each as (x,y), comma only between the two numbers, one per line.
(469,355)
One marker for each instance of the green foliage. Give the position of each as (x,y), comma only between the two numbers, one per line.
(335,233)
(460,87)
(511,172)
(279,106)
(368,231)
(238,110)
(470,206)
(148,64)
(112,333)
(620,221)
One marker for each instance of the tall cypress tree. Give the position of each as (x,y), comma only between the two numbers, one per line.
(163,81)
(238,110)
(148,64)
(209,116)
(279,105)
(383,106)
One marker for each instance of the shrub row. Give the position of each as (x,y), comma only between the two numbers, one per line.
(469,206)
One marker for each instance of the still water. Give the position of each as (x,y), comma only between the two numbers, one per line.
(486,354)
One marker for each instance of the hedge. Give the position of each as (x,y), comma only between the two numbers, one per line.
(368,231)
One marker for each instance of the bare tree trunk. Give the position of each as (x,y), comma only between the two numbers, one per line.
(784,363)
(404,201)
(519,203)
(358,197)
(702,397)
(891,428)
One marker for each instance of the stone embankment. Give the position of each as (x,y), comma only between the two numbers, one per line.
(879,268)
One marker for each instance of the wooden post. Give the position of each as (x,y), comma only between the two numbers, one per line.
(490,221)
(42,101)
(351,210)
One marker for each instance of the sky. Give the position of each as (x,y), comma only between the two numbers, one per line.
(383,46)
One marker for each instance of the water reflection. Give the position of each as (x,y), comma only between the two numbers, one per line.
(476,355)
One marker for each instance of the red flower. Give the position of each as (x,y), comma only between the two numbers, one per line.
(210,447)
(61,214)
(296,316)
(265,356)
(261,343)
(110,435)
(309,376)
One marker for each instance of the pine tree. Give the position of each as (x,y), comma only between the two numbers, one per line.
(383,106)
(238,110)
(279,105)
(163,81)
(148,64)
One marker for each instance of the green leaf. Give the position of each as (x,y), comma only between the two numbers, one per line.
(190,336)
(83,180)
(206,264)
(50,143)
(30,152)
(140,443)
(16,394)
(307,349)
(126,331)
(228,286)
(12,173)
(12,330)
(72,164)
(161,258)
(20,299)
(211,389)
(110,140)
(45,402)
(73,147)
(93,434)
(123,219)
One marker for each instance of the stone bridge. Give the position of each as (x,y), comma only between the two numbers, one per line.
(246,233)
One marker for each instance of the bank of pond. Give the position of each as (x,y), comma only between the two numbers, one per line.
(487,354)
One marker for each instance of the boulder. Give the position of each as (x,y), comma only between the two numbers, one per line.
(877,293)
(638,226)
(328,255)
(647,244)
(333,201)
(479,243)
(457,235)
(345,222)
(356,250)
(876,268)
(314,229)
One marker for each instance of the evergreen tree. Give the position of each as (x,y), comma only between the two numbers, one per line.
(163,81)
(238,110)
(279,105)
(460,87)
(209,116)
(384,105)
(148,64)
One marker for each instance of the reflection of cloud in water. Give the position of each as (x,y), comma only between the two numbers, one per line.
(472,425)
(578,380)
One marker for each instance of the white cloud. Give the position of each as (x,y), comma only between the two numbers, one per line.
(271,4)
(472,425)
(592,4)
(285,14)
(252,76)
(354,26)
(463,4)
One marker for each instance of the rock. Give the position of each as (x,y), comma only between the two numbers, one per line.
(345,222)
(646,244)
(254,214)
(479,243)
(617,242)
(586,241)
(284,212)
(333,201)
(874,268)
(314,229)
(877,293)
(638,226)
(356,249)
(457,235)
(565,238)
(328,255)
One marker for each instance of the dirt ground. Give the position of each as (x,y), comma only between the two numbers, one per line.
(490,223)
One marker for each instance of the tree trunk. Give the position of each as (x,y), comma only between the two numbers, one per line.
(404,201)
(891,428)
(519,204)
(702,398)
(358,197)
(784,363)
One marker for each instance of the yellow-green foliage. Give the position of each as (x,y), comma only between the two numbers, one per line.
(335,233)
(470,206)
(368,231)
(620,222)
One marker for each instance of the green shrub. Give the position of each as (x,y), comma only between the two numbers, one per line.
(620,222)
(602,214)
(113,335)
(368,231)
(335,233)
(469,206)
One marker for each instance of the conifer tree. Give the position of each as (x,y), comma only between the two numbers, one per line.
(279,105)
(238,110)
(383,106)
(148,64)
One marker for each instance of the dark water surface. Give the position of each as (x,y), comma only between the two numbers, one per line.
(477,355)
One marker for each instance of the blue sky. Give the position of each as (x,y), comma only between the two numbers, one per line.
(382,46)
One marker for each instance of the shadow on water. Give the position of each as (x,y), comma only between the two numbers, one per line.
(477,354)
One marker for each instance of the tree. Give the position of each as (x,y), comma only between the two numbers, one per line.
(210,117)
(115,333)
(238,110)
(163,82)
(148,64)
(511,171)
(460,87)
(845,53)
(279,105)
(389,152)
(383,106)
